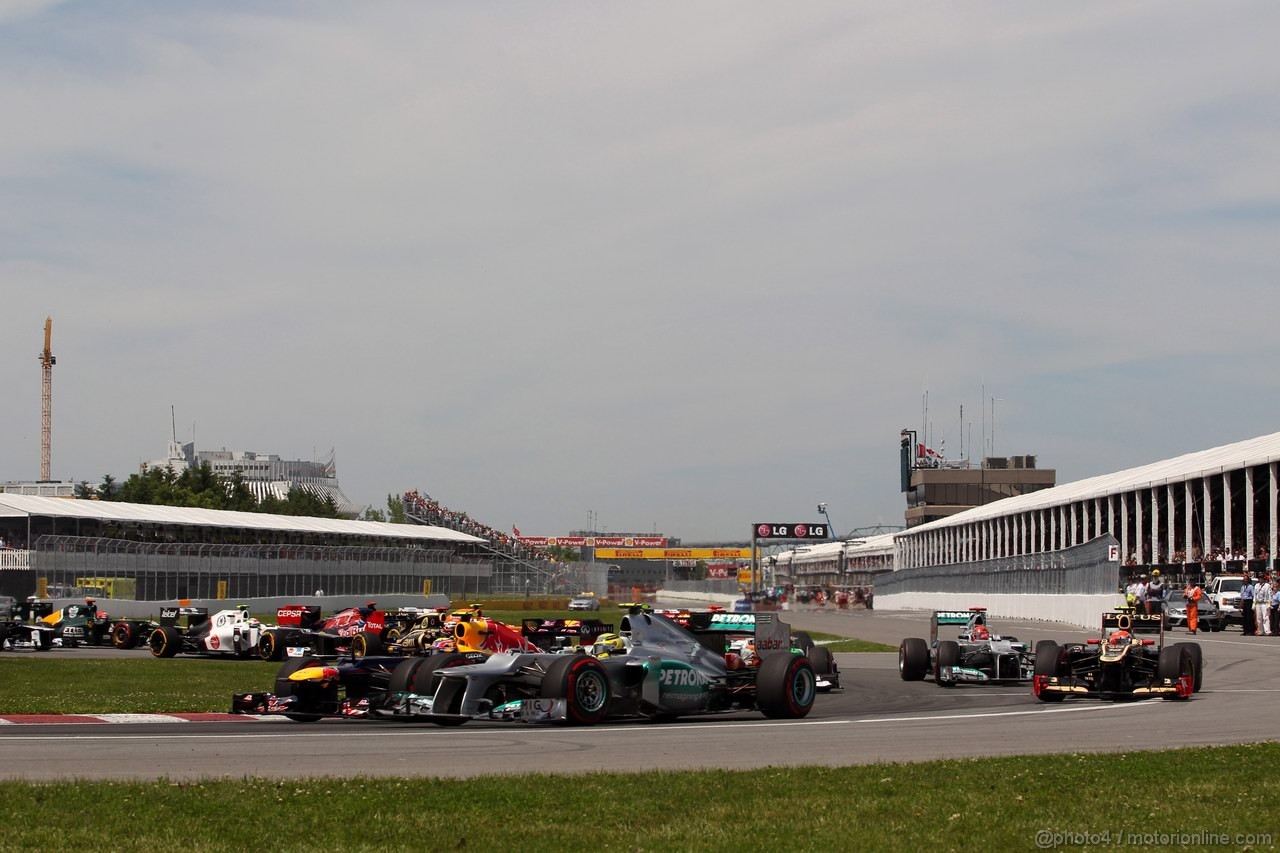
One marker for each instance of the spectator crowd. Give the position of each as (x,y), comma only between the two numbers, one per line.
(427,509)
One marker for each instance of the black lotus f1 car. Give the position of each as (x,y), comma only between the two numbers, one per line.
(1129,661)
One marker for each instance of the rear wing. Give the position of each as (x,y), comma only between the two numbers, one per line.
(967,618)
(552,633)
(772,635)
(195,615)
(1137,623)
(297,615)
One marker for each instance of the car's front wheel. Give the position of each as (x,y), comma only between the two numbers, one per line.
(583,683)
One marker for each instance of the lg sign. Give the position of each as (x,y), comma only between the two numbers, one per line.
(798,530)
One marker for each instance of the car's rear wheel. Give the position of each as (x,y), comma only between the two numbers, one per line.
(123,636)
(392,635)
(271,646)
(285,687)
(366,644)
(401,680)
(913,659)
(786,686)
(165,641)
(947,655)
(583,683)
(446,699)
(1047,654)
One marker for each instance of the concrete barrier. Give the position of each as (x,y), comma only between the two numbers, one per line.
(1083,610)
(704,597)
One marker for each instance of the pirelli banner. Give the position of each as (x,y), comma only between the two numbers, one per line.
(673,553)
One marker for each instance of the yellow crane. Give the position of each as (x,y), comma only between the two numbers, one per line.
(47,361)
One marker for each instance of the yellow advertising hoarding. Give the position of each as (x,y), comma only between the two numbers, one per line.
(744,576)
(673,553)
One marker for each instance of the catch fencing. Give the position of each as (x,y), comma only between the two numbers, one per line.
(72,566)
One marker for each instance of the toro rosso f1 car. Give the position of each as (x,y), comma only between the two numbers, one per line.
(977,656)
(659,671)
(1121,664)
(301,631)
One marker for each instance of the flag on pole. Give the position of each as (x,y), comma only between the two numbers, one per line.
(515,531)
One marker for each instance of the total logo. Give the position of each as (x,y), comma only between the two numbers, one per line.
(682,678)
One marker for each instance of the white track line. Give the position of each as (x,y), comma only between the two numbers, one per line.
(608,730)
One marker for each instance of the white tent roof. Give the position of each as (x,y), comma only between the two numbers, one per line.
(1191,466)
(880,544)
(12,506)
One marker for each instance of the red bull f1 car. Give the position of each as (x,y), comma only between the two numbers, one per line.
(1130,660)
(976,656)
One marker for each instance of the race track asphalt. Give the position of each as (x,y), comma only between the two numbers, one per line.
(876,718)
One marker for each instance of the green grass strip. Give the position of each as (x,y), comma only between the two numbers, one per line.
(995,804)
(38,684)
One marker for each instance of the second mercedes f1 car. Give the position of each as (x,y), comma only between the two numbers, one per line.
(976,656)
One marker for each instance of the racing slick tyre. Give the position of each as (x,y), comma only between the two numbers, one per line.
(786,686)
(43,641)
(123,636)
(823,663)
(447,700)
(1197,660)
(583,683)
(285,687)
(401,680)
(948,655)
(803,642)
(913,659)
(1174,662)
(392,635)
(271,646)
(1047,653)
(165,641)
(366,644)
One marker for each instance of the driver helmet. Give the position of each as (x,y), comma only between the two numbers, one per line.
(608,644)
(1119,637)
(980,632)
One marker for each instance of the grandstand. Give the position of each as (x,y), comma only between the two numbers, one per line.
(852,563)
(1214,508)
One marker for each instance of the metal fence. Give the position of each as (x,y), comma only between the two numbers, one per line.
(1080,570)
(160,571)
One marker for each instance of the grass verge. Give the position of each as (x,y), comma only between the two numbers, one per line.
(1011,804)
(42,685)
(836,643)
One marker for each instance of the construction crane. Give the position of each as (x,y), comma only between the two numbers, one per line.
(47,361)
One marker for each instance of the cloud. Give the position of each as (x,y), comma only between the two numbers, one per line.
(684,265)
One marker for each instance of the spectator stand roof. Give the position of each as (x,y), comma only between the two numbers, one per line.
(19,506)
(1191,466)
(861,546)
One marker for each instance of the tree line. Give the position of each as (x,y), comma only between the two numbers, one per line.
(204,488)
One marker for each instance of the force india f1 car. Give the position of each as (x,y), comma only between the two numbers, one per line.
(1121,664)
(658,671)
(977,656)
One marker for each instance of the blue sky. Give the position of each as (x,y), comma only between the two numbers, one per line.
(686,266)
